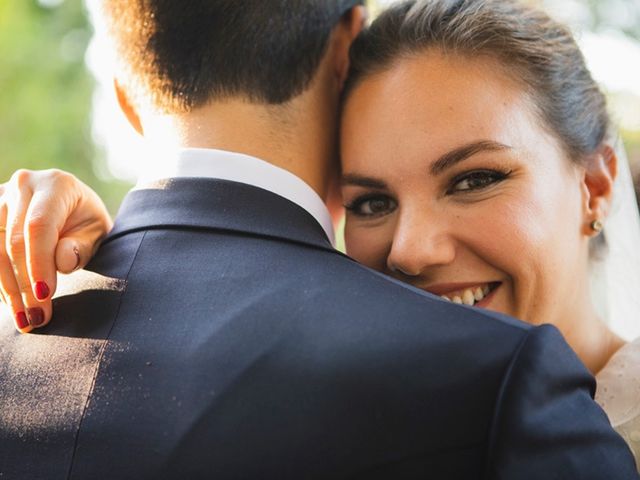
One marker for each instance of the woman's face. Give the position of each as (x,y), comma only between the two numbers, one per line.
(452,184)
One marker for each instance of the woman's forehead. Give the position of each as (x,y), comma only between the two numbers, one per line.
(434,93)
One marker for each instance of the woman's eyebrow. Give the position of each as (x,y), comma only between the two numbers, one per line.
(453,157)
(446,161)
(361,181)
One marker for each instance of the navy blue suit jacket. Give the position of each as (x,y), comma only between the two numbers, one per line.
(217,335)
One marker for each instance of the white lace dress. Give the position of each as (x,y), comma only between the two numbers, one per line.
(618,393)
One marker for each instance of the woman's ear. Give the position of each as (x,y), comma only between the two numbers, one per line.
(347,30)
(127,107)
(599,176)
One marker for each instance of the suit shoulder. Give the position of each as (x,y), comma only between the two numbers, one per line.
(546,354)
(365,290)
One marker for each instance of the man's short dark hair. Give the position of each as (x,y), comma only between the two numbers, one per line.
(182,54)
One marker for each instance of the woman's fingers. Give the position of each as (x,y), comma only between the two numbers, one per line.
(11,294)
(51,221)
(47,213)
(18,198)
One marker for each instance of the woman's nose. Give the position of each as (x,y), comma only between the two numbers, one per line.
(419,244)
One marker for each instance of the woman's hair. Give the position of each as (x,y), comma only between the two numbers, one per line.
(537,51)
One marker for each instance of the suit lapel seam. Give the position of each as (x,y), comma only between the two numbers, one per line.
(96,372)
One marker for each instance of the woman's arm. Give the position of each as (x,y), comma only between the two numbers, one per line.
(50,221)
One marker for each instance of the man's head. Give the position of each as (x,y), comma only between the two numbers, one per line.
(180,55)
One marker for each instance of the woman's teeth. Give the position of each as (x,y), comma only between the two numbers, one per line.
(468,296)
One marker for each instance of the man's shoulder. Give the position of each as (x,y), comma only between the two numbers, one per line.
(361,289)
(279,278)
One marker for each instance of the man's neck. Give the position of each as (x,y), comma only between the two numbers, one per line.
(285,136)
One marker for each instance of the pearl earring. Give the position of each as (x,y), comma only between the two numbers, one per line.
(597,226)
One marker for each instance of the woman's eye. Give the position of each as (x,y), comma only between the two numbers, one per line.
(372,206)
(477,180)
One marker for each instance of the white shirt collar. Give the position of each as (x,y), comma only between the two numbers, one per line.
(238,167)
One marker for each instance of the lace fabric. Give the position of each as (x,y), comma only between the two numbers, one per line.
(618,393)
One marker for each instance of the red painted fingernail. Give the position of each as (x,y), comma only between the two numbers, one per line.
(36,316)
(42,290)
(21,320)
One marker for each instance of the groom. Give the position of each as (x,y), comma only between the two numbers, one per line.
(218,334)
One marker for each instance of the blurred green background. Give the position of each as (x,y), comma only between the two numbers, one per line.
(46,90)
(46,94)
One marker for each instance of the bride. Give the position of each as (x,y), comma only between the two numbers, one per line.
(478,165)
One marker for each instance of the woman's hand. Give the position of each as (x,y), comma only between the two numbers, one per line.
(50,222)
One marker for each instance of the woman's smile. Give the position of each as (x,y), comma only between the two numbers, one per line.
(473,293)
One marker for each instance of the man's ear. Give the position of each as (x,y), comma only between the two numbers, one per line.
(347,30)
(598,182)
(127,107)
